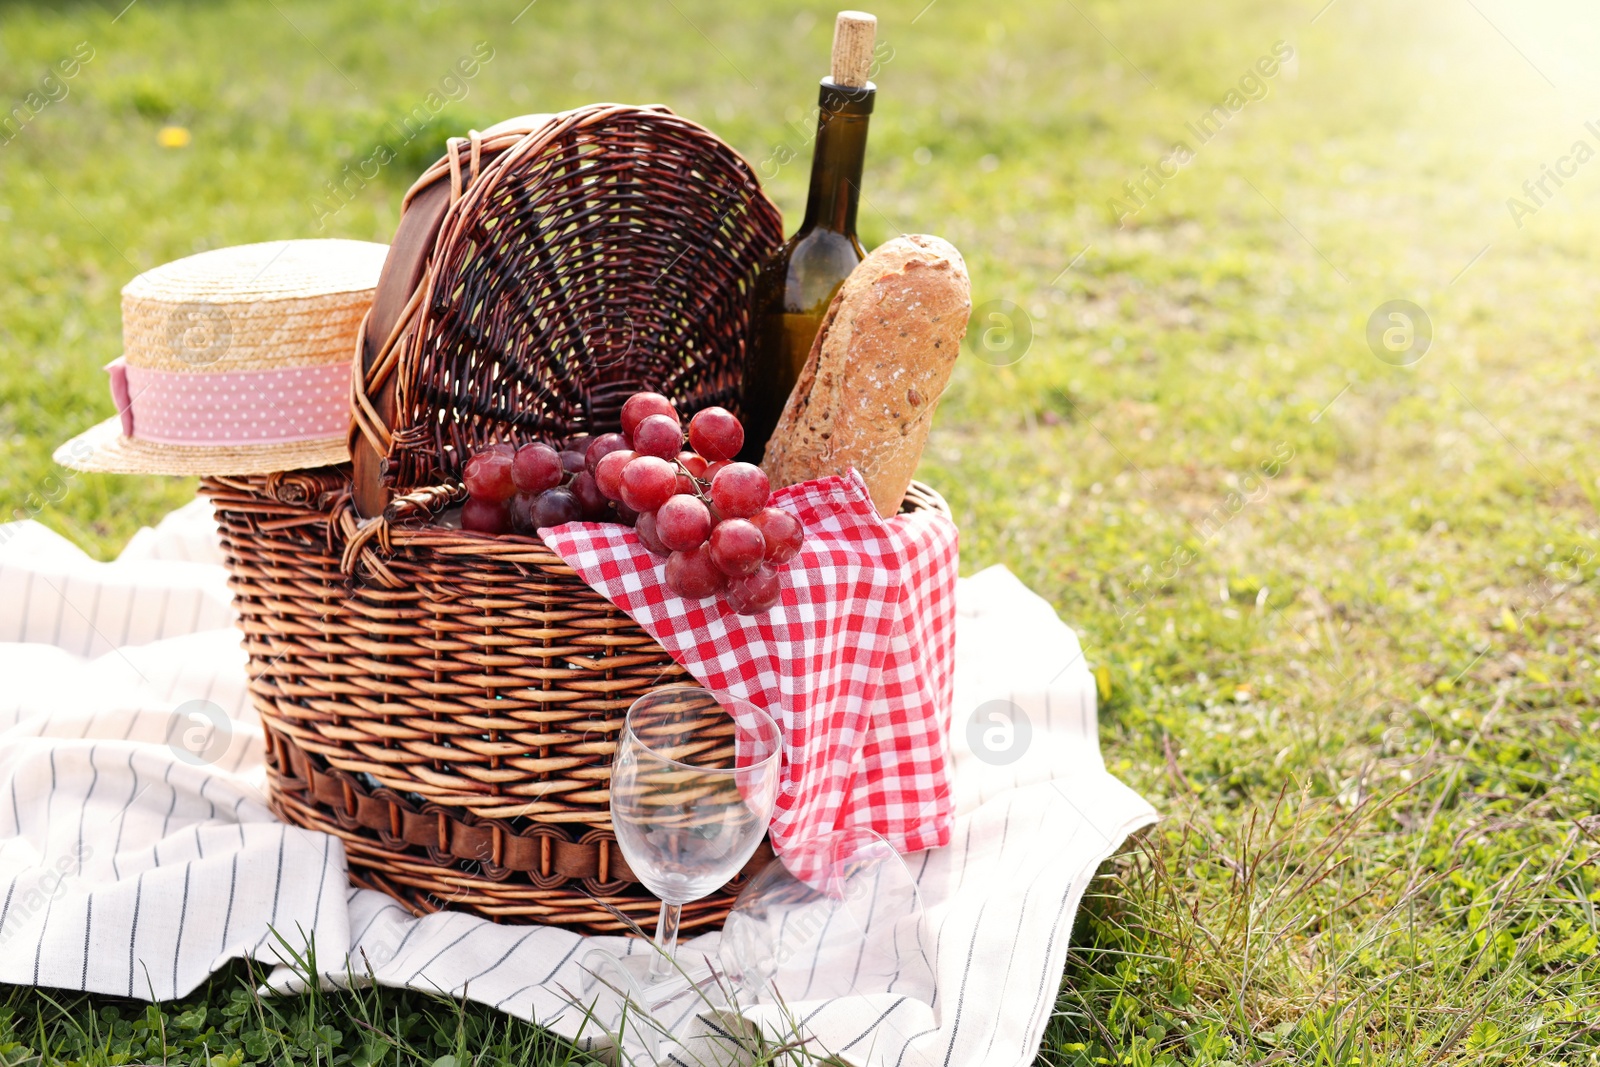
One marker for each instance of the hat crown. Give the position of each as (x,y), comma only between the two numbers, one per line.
(253,307)
(271,270)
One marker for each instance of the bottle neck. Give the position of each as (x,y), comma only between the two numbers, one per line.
(838,158)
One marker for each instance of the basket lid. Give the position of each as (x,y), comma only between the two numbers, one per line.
(544,270)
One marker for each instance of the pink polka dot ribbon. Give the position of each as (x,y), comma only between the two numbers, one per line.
(249,407)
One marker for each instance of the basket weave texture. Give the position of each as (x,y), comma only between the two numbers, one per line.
(454,726)
(448,702)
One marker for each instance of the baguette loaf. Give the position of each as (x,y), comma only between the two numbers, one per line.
(866,394)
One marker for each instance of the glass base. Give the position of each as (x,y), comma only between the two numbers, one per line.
(628,1004)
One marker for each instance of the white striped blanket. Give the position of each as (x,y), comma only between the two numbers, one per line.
(137,856)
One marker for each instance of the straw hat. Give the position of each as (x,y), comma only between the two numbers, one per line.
(235,361)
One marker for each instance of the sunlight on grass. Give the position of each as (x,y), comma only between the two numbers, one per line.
(1343,608)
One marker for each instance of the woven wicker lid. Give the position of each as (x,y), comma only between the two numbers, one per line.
(220,326)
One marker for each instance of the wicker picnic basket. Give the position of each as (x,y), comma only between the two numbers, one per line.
(447,702)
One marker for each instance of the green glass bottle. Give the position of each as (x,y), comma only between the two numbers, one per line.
(796,285)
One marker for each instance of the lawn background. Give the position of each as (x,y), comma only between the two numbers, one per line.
(1342,610)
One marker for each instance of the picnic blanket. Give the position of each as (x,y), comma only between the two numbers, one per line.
(138,855)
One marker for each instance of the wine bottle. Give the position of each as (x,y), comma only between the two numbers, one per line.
(795,286)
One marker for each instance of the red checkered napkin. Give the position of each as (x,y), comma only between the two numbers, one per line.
(854,663)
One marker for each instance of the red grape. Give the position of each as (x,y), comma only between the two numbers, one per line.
(602,447)
(693,463)
(755,593)
(648,482)
(521,508)
(692,574)
(710,474)
(608,472)
(591,501)
(485,516)
(737,547)
(501,446)
(555,507)
(645,527)
(716,434)
(573,461)
(537,467)
(488,477)
(739,490)
(683,523)
(781,531)
(658,435)
(578,442)
(625,515)
(642,405)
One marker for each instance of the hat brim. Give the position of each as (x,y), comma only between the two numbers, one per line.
(104,450)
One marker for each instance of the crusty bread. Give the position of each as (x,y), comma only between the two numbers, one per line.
(866,395)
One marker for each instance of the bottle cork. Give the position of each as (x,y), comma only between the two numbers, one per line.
(853,37)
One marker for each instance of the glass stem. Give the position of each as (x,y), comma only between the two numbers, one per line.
(666,940)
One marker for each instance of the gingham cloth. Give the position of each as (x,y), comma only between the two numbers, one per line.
(854,664)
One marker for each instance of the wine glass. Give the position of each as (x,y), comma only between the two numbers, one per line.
(838,915)
(693,787)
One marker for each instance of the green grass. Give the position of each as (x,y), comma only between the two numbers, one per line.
(225,1024)
(1344,611)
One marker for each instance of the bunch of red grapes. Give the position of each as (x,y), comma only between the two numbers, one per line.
(708,515)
